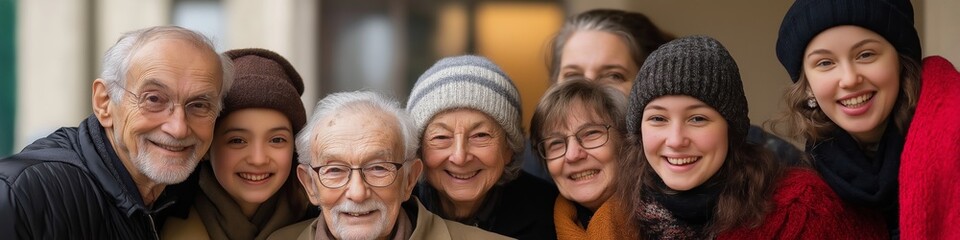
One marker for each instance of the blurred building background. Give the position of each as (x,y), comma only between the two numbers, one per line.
(50,49)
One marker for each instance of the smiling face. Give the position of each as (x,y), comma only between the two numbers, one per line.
(465,152)
(684,140)
(854,74)
(598,56)
(585,176)
(252,155)
(358,210)
(163,147)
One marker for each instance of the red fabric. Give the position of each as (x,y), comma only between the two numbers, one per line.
(930,163)
(806,208)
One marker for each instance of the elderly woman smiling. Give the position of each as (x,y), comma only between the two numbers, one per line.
(468,114)
(577,130)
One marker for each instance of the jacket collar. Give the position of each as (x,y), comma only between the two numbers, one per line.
(109,172)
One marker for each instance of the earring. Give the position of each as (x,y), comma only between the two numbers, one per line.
(812,102)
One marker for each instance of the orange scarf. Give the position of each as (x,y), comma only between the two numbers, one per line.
(603,225)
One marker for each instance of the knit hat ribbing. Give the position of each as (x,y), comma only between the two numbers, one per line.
(892,19)
(472,82)
(695,66)
(264,79)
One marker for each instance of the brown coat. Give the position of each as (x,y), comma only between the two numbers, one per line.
(428,226)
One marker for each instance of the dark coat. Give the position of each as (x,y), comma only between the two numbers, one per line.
(71,185)
(522,208)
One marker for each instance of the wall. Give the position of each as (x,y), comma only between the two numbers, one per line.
(53,71)
(940,32)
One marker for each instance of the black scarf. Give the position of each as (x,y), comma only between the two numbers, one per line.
(684,215)
(857,178)
(695,206)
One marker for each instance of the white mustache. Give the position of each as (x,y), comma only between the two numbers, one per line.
(167,140)
(351,207)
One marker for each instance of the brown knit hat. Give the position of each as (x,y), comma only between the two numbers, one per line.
(264,79)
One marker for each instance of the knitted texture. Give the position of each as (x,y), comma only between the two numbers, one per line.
(264,79)
(607,222)
(804,207)
(471,82)
(930,162)
(695,66)
(892,19)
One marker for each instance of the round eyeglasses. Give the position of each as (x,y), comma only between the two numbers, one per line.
(589,137)
(379,174)
(155,103)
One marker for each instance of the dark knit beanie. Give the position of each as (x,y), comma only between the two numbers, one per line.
(695,66)
(892,19)
(264,79)
(472,82)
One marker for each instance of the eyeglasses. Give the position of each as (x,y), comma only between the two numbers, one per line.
(589,136)
(379,174)
(155,103)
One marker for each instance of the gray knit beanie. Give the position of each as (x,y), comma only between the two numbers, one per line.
(472,82)
(695,66)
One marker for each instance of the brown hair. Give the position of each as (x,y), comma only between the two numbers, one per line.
(605,101)
(636,30)
(810,125)
(747,179)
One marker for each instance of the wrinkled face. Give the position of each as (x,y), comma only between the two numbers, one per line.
(584,175)
(854,74)
(598,56)
(684,140)
(358,210)
(465,152)
(251,154)
(165,146)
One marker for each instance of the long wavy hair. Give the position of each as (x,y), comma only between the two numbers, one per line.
(810,125)
(747,179)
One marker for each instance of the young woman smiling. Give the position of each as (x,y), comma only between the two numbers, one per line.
(856,103)
(689,173)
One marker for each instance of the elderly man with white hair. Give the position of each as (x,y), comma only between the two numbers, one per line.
(366,134)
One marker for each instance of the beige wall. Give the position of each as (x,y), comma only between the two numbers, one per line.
(52,67)
(940,32)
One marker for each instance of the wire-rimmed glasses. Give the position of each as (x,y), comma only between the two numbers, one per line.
(380,174)
(589,137)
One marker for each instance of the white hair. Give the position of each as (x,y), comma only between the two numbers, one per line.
(356,101)
(116,61)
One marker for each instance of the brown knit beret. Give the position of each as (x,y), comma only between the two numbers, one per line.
(264,79)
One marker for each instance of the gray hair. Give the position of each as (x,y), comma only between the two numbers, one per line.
(356,101)
(635,29)
(117,59)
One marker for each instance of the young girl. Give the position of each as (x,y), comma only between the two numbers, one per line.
(246,188)
(689,172)
(856,72)
(577,131)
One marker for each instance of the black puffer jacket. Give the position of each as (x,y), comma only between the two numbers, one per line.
(71,185)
